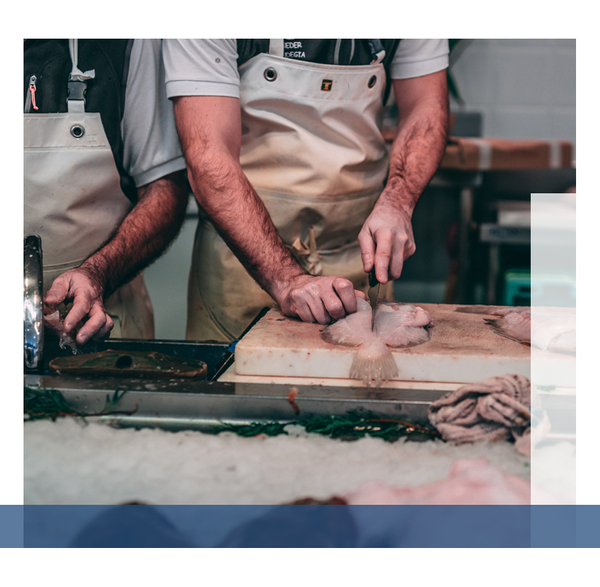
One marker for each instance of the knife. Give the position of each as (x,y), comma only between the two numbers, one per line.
(373,293)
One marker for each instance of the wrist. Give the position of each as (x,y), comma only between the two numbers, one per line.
(95,274)
(282,282)
(396,195)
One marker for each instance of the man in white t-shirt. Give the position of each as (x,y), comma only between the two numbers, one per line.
(283,145)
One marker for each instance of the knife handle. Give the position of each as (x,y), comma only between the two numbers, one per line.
(372,279)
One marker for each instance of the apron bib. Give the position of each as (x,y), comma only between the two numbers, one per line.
(312,149)
(73,201)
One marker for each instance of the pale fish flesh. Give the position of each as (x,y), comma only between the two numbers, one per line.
(54,321)
(552,329)
(515,325)
(469,482)
(395,325)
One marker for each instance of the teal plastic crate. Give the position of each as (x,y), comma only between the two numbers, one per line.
(517,288)
(546,290)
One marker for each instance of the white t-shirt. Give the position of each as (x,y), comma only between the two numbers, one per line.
(208,67)
(151,144)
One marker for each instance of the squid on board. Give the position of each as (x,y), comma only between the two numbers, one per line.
(395,325)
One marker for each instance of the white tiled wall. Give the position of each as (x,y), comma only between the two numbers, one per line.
(525,88)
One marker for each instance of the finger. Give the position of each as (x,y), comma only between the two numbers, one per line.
(105,331)
(307,300)
(347,296)
(367,249)
(360,294)
(80,310)
(333,308)
(383,255)
(310,297)
(318,309)
(302,310)
(397,262)
(405,247)
(95,323)
(57,293)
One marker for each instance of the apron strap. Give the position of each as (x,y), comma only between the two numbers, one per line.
(276,47)
(77,86)
(377,50)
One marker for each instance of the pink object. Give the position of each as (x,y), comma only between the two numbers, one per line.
(493,409)
(395,325)
(469,482)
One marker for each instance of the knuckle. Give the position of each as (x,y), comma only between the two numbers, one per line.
(296,295)
(384,234)
(363,236)
(342,282)
(335,307)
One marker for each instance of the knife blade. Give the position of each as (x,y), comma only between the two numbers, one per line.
(373,292)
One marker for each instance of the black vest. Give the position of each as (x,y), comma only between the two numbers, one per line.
(49,60)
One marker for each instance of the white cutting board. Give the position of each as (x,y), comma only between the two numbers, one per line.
(462,349)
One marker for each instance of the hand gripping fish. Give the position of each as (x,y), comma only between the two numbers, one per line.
(395,325)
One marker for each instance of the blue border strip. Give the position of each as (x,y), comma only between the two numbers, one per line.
(298,526)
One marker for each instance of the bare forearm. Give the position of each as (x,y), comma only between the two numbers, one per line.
(210,133)
(144,234)
(386,238)
(416,151)
(243,222)
(240,217)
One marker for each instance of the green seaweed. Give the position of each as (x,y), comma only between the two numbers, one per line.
(47,403)
(352,426)
(40,403)
(111,402)
(254,429)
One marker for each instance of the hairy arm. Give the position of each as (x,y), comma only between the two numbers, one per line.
(386,238)
(145,233)
(210,132)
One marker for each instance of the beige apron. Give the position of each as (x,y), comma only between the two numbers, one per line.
(74,201)
(312,149)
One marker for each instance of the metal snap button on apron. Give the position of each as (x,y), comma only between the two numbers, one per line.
(270,74)
(77,131)
(372,81)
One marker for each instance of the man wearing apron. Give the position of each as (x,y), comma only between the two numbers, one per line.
(92,136)
(286,158)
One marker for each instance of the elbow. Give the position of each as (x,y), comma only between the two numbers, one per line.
(211,175)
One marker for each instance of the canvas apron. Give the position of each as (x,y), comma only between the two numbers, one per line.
(313,151)
(73,201)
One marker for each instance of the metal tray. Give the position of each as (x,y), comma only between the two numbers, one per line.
(205,405)
(215,355)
